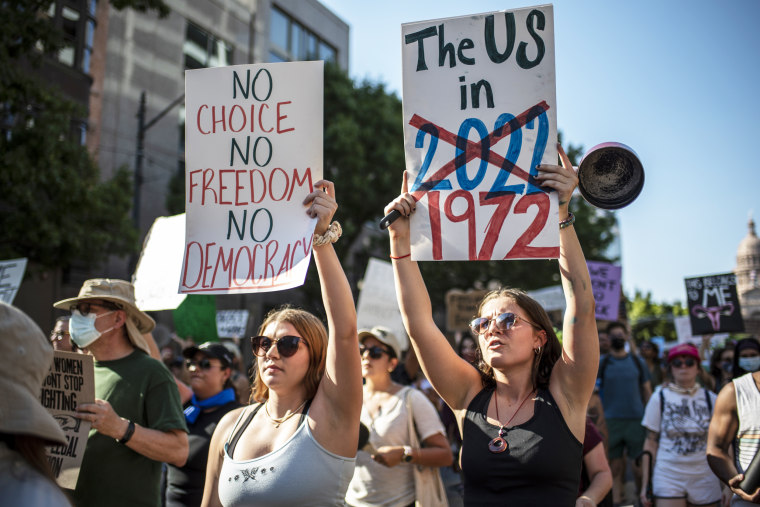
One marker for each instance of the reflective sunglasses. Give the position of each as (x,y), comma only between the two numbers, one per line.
(203,364)
(85,307)
(375,352)
(688,362)
(286,345)
(503,322)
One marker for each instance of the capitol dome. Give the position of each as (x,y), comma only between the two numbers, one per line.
(748,279)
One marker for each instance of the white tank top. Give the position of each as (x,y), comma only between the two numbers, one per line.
(300,472)
(748,408)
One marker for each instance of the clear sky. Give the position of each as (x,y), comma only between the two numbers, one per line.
(676,80)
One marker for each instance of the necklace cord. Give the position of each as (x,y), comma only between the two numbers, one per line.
(496,402)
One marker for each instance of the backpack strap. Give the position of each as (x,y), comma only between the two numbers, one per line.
(708,400)
(602,367)
(662,403)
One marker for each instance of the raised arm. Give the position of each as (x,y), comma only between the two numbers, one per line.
(574,374)
(337,405)
(453,378)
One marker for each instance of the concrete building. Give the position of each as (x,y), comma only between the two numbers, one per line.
(748,279)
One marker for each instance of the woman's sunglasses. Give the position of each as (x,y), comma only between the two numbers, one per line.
(286,346)
(375,352)
(688,362)
(203,364)
(503,322)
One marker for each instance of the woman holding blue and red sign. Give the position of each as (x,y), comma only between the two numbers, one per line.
(522,413)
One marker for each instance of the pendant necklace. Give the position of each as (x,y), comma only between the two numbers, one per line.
(498,444)
(277,421)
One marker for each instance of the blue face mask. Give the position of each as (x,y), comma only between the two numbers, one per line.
(82,328)
(749,363)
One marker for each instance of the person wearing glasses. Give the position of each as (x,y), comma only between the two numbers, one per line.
(677,419)
(137,420)
(522,413)
(385,476)
(210,368)
(60,337)
(297,444)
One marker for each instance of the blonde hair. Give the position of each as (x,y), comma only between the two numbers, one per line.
(314,333)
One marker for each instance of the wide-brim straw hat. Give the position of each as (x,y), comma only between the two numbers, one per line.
(121,293)
(27,356)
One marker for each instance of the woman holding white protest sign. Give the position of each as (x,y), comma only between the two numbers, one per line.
(297,445)
(522,416)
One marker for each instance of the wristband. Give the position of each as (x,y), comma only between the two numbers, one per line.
(401,256)
(331,235)
(128,434)
(407,456)
(570,220)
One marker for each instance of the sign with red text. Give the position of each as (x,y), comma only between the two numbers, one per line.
(713,304)
(605,282)
(479,115)
(70,381)
(253,153)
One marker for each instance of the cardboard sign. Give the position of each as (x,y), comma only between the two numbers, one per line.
(713,304)
(377,305)
(160,265)
(550,298)
(479,115)
(605,282)
(70,381)
(254,152)
(11,274)
(461,308)
(231,323)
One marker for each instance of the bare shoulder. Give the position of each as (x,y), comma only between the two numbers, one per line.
(726,400)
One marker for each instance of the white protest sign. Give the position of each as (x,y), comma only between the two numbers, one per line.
(253,153)
(479,115)
(682,323)
(377,305)
(11,274)
(160,265)
(550,298)
(231,323)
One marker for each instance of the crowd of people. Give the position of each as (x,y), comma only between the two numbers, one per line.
(333,415)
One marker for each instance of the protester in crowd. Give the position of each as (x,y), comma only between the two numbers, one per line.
(408,368)
(604,343)
(595,413)
(26,427)
(210,367)
(60,337)
(385,477)
(302,371)
(625,388)
(650,352)
(722,367)
(746,357)
(676,419)
(736,421)
(529,397)
(137,420)
(596,476)
(238,379)
(467,349)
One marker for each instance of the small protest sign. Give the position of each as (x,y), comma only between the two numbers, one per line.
(550,298)
(231,323)
(160,265)
(605,282)
(253,153)
(70,381)
(479,117)
(377,305)
(682,323)
(461,308)
(195,318)
(11,274)
(713,304)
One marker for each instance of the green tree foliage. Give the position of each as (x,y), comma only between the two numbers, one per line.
(54,208)
(650,319)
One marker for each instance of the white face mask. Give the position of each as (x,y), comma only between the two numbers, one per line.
(749,363)
(82,328)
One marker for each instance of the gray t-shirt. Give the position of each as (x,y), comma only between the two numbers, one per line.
(621,387)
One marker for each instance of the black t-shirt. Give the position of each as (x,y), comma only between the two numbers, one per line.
(184,486)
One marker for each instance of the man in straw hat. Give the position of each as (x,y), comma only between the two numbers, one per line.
(25,426)
(137,419)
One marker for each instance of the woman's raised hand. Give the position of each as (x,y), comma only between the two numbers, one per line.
(562,178)
(405,204)
(322,205)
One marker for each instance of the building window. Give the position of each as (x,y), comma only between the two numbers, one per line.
(76,20)
(203,49)
(290,40)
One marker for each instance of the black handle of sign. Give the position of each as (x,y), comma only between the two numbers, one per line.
(751,475)
(389,219)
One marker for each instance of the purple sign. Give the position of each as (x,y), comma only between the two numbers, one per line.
(605,281)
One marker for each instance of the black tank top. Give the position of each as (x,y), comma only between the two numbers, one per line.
(541,467)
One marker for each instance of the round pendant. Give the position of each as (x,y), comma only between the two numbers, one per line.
(497,445)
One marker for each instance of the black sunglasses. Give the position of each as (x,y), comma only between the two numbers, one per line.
(688,362)
(84,307)
(203,364)
(286,345)
(503,322)
(375,352)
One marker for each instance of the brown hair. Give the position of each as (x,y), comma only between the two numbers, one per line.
(313,332)
(549,353)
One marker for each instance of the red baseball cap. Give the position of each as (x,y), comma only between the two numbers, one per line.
(683,349)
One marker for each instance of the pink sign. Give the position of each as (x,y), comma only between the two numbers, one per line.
(605,281)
